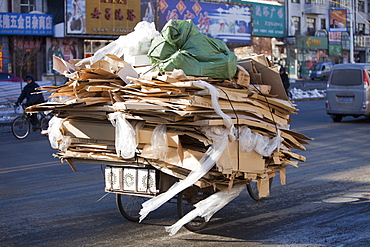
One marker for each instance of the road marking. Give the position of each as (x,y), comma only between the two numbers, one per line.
(28,167)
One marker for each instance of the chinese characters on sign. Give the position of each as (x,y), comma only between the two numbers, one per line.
(227,22)
(26,24)
(268,20)
(106,17)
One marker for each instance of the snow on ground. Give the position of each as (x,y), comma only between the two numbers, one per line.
(309,94)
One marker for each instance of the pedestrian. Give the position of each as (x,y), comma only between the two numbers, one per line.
(299,71)
(32,98)
(285,79)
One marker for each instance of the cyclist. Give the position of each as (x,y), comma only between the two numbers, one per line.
(31,98)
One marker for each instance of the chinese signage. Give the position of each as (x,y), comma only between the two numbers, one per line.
(229,23)
(4,54)
(312,42)
(362,41)
(268,20)
(335,38)
(26,24)
(102,17)
(335,50)
(338,20)
(346,42)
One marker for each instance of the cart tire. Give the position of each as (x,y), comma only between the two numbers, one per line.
(130,206)
(21,127)
(44,122)
(253,190)
(185,203)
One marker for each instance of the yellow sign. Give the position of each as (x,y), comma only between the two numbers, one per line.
(112,17)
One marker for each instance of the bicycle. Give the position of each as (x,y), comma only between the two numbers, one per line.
(21,125)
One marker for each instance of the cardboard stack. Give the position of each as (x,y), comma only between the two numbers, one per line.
(254,98)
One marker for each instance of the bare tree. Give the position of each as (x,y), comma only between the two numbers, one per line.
(25,49)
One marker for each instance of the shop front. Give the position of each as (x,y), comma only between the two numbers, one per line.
(22,38)
(304,51)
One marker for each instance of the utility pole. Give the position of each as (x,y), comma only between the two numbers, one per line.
(351,45)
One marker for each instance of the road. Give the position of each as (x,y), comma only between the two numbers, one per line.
(326,201)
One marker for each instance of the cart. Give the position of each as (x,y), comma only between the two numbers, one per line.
(150,182)
(142,181)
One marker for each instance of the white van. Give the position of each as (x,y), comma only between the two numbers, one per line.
(348,91)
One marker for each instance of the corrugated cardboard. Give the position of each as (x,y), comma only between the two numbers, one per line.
(90,130)
(270,76)
(247,162)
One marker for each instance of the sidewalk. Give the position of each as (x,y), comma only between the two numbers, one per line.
(308,84)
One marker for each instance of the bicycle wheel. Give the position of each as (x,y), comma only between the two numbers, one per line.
(130,206)
(44,122)
(21,127)
(185,201)
(253,190)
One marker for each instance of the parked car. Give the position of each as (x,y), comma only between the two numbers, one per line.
(9,77)
(348,91)
(320,70)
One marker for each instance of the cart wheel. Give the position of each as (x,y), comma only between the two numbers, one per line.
(185,201)
(130,206)
(21,127)
(253,190)
(44,122)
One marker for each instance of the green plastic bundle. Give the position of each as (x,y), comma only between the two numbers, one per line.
(182,46)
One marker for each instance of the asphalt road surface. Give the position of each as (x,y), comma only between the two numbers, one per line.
(326,201)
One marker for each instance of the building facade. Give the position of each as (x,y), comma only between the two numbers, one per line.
(292,33)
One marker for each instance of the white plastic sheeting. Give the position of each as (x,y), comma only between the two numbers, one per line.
(207,162)
(216,107)
(159,141)
(125,136)
(207,207)
(255,141)
(135,43)
(54,131)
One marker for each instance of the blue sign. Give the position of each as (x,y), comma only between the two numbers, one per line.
(227,22)
(26,24)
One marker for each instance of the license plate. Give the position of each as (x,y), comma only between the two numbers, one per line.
(345,99)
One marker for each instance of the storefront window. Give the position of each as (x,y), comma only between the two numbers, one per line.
(27,6)
(311,26)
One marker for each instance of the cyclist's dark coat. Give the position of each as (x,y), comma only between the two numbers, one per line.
(32,99)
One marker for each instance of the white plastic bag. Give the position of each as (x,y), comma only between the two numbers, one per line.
(265,146)
(135,43)
(247,139)
(19,109)
(159,141)
(125,136)
(54,131)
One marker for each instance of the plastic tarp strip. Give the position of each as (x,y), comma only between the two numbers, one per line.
(207,207)
(207,162)
(214,97)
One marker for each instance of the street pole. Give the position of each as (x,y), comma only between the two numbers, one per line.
(351,53)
